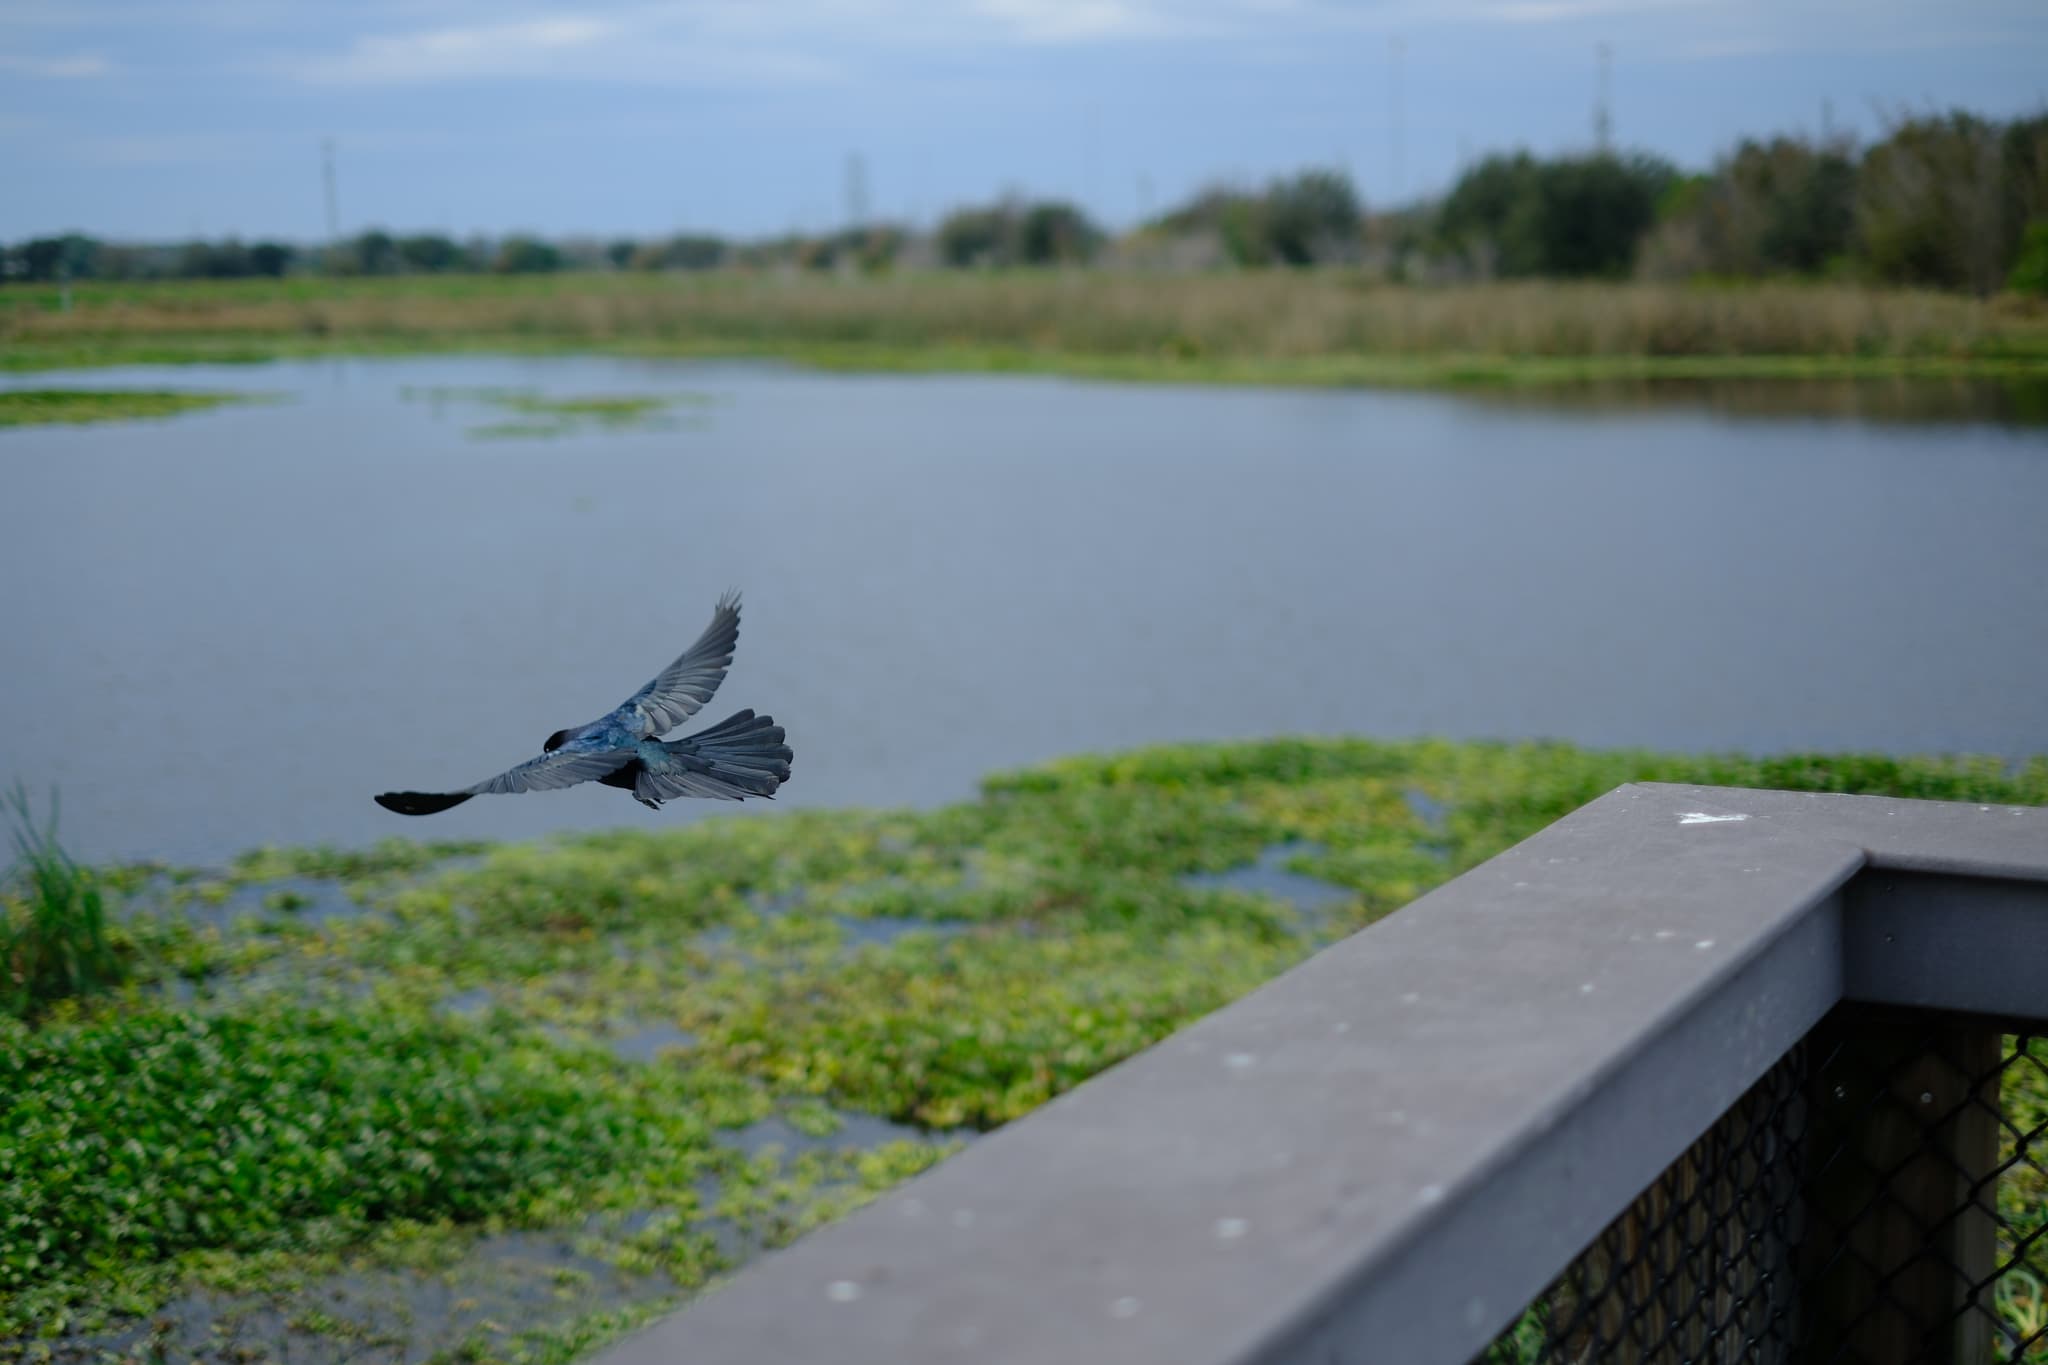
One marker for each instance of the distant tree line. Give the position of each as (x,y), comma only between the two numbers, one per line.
(77,257)
(376,252)
(1949,201)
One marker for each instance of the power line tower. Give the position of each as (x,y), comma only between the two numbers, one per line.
(856,190)
(1603,121)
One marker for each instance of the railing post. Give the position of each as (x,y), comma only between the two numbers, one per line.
(1906,1121)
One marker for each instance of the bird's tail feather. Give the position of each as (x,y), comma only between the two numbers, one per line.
(421,803)
(741,756)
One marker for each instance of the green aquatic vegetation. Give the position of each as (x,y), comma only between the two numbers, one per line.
(951,968)
(773,1199)
(245,1151)
(144,1135)
(286,901)
(975,1030)
(612,409)
(71,407)
(1149,829)
(570,902)
(386,856)
(533,414)
(1071,873)
(574,888)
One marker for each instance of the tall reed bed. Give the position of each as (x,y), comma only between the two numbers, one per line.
(54,941)
(1275,315)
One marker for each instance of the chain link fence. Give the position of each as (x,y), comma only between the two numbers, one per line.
(1879,1197)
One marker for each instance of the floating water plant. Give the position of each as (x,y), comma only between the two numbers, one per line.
(41,407)
(537,415)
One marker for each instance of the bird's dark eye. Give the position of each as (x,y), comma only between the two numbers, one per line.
(554,741)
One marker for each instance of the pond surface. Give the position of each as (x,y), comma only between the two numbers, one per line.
(232,628)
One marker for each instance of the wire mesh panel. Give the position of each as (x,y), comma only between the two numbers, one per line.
(1929,1191)
(1880,1196)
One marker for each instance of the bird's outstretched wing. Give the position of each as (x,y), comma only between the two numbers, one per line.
(685,685)
(562,768)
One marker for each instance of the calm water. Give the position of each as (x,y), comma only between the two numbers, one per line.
(232,628)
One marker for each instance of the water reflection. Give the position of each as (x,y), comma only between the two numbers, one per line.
(2015,402)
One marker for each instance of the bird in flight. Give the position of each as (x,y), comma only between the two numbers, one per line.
(739,757)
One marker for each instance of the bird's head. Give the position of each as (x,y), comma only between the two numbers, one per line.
(554,741)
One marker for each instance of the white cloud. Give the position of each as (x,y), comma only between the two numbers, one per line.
(485,50)
(1069,21)
(708,45)
(1571,11)
(83,65)
(732,41)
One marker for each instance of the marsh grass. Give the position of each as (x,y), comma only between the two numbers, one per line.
(1320,327)
(55,942)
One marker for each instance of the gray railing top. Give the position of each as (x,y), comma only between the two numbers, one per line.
(1386,1152)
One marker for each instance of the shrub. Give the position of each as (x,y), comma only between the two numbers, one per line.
(522,255)
(1313,217)
(2030,272)
(1047,232)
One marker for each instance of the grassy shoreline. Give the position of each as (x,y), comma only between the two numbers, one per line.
(838,999)
(1279,328)
(1893,388)
(1448,371)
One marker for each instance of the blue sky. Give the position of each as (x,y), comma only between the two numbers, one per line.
(164,120)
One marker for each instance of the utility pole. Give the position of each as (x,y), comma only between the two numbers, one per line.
(1603,124)
(327,179)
